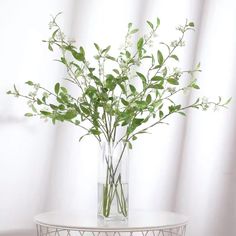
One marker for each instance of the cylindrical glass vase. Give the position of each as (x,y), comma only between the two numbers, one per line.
(113,181)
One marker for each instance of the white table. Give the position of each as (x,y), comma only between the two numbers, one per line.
(87,224)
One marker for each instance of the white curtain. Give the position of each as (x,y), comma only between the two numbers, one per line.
(188,167)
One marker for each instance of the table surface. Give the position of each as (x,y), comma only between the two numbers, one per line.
(138,220)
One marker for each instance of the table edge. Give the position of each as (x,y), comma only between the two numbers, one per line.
(113,229)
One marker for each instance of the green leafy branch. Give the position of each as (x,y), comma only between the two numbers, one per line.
(127,96)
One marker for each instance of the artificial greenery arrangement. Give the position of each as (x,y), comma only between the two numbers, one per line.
(117,103)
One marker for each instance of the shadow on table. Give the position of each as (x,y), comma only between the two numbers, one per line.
(20,232)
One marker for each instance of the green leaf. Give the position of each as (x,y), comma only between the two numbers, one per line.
(84,110)
(132,88)
(171,109)
(161,114)
(91,69)
(156,86)
(177,107)
(63,60)
(140,46)
(110,82)
(29,83)
(69,47)
(28,114)
(174,108)
(148,99)
(81,49)
(78,56)
(135,123)
(125,123)
(182,113)
(172,81)
(228,101)
(15,89)
(96,80)
(44,99)
(111,58)
(124,102)
(53,106)
(70,114)
(116,71)
(61,107)
(164,71)
(106,49)
(130,25)
(160,57)
(134,31)
(130,145)
(141,104)
(54,33)
(122,88)
(90,91)
(39,102)
(140,43)
(158,22)
(156,67)
(143,78)
(150,24)
(50,47)
(157,78)
(127,53)
(195,86)
(77,122)
(57,88)
(33,109)
(198,66)
(138,121)
(45,113)
(95,131)
(64,90)
(174,57)
(96,46)
(191,24)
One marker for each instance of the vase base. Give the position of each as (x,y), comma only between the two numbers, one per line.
(112,218)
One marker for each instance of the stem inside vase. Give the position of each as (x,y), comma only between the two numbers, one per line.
(113,187)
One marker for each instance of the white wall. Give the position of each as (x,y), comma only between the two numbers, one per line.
(26,145)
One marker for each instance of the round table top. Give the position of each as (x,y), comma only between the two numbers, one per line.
(137,220)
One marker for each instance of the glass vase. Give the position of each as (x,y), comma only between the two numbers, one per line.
(113,181)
